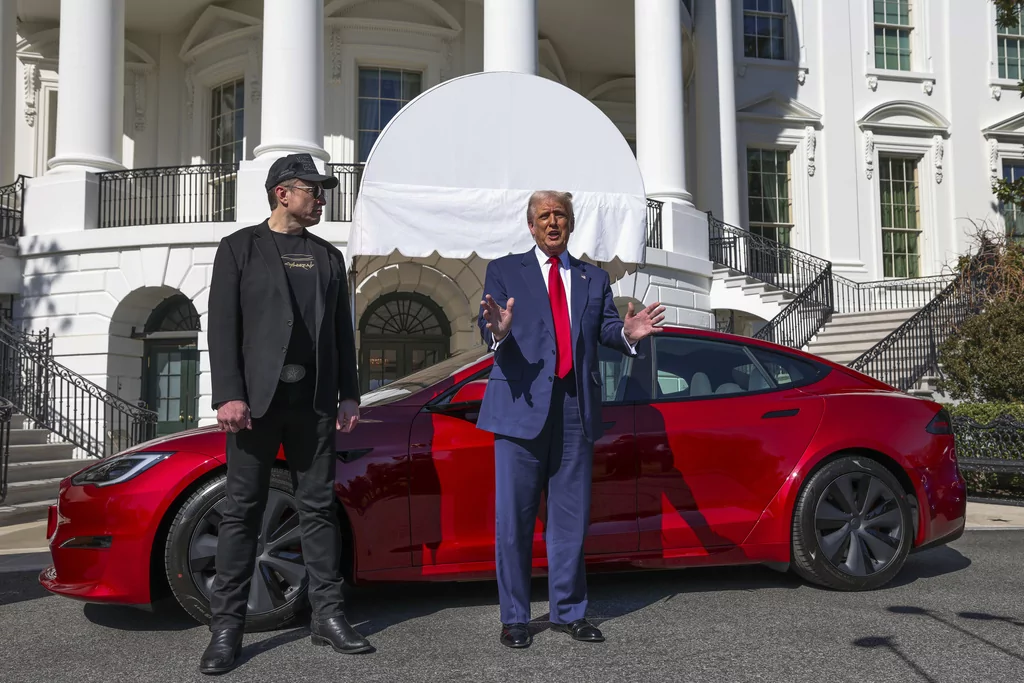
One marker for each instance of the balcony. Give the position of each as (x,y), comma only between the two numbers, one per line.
(203,193)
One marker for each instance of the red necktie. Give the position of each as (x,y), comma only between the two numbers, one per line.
(560,314)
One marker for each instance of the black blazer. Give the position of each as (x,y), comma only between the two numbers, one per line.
(251,317)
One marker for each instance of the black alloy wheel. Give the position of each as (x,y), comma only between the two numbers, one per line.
(852,525)
(277,593)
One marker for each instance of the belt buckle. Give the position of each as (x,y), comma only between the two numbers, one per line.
(292,373)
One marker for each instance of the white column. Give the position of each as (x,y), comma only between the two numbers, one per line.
(8,78)
(660,140)
(510,36)
(293,79)
(727,112)
(90,96)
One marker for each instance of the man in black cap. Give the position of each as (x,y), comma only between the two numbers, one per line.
(283,360)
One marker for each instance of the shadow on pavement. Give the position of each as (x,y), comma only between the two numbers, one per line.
(21,586)
(888,642)
(930,564)
(165,616)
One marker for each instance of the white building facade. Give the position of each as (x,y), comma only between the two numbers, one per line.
(864,132)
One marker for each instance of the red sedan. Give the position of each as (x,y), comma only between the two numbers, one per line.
(717,450)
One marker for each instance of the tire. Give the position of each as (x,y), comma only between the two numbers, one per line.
(190,553)
(851,545)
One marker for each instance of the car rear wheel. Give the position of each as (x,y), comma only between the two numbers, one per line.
(277,593)
(852,526)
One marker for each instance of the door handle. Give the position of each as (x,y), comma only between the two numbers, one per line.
(780,413)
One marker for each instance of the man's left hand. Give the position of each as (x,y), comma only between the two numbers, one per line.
(639,325)
(348,415)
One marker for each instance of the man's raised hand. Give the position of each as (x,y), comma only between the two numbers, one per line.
(499,320)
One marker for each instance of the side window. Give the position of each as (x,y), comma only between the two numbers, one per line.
(787,371)
(696,367)
(614,368)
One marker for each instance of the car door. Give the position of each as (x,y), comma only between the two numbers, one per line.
(452,493)
(723,428)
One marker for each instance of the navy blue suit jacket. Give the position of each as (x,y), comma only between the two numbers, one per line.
(518,395)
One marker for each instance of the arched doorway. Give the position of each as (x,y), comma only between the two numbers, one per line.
(170,364)
(400,333)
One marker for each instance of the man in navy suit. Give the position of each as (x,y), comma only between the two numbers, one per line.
(543,404)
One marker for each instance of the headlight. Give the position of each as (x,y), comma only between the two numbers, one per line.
(118,468)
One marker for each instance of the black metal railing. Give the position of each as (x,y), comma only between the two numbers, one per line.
(800,320)
(203,193)
(910,351)
(654,223)
(886,295)
(341,201)
(62,401)
(12,199)
(994,447)
(6,414)
(763,258)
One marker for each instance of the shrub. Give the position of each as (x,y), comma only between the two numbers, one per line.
(983,360)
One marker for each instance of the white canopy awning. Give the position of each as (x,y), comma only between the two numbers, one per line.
(452,172)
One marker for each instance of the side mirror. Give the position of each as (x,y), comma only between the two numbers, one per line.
(471,391)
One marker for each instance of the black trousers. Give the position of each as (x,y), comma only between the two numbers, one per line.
(308,440)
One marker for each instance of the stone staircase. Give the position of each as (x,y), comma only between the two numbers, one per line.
(36,466)
(771,300)
(848,335)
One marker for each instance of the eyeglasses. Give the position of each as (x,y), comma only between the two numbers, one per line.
(317,191)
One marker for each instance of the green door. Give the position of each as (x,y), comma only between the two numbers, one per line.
(172,385)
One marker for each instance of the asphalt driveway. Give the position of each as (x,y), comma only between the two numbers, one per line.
(954,614)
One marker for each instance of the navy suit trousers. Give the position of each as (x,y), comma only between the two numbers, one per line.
(560,460)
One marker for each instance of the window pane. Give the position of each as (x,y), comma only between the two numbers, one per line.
(369,114)
(368,86)
(391,85)
(692,368)
(410,85)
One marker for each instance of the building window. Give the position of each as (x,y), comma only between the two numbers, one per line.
(227,141)
(1011,49)
(227,117)
(901,217)
(401,333)
(768,194)
(892,34)
(382,92)
(764,29)
(1013,215)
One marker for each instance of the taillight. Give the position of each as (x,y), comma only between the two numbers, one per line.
(941,423)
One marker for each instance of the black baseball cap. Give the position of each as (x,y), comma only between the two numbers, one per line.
(299,166)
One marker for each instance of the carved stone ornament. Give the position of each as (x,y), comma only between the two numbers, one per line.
(801,75)
(873,83)
(254,70)
(997,93)
(938,150)
(190,93)
(31,91)
(928,87)
(140,100)
(869,153)
(993,158)
(336,56)
(812,144)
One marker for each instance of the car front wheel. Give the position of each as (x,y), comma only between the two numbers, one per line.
(277,593)
(852,526)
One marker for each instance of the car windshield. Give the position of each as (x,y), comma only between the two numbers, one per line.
(410,384)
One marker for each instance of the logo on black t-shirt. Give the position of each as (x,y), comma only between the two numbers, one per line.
(303,261)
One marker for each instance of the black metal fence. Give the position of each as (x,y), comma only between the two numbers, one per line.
(654,223)
(341,201)
(69,405)
(800,320)
(994,447)
(886,295)
(12,199)
(910,351)
(6,414)
(202,193)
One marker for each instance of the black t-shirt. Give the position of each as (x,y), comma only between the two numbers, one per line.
(300,267)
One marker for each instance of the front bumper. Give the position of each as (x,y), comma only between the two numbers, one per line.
(101,539)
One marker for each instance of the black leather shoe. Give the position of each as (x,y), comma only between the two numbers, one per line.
(581,630)
(515,635)
(222,652)
(340,635)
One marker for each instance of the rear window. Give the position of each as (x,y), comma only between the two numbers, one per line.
(787,370)
(410,384)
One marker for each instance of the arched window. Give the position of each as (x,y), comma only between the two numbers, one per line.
(174,314)
(401,333)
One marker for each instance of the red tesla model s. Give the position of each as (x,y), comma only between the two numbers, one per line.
(717,450)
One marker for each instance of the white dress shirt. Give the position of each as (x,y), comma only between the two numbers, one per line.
(566,273)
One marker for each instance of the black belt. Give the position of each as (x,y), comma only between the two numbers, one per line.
(294,372)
